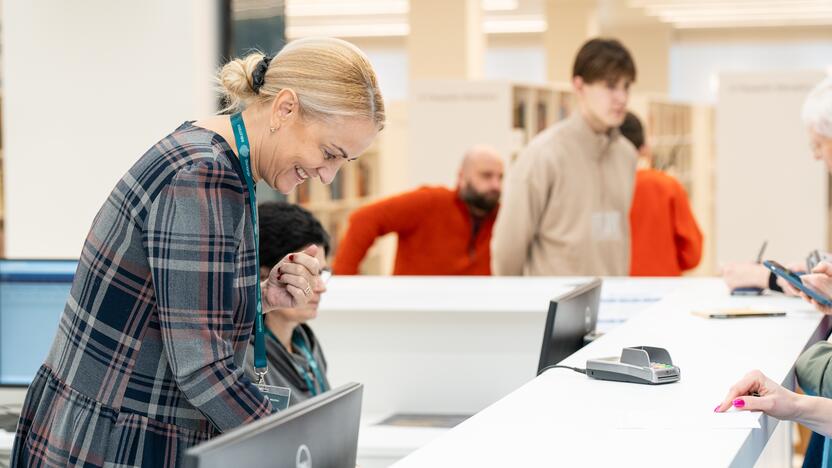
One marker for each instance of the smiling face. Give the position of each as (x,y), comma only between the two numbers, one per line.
(303,147)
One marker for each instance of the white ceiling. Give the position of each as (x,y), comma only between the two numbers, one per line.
(383,18)
(693,14)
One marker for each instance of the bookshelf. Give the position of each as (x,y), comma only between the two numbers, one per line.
(669,132)
(536,107)
(681,136)
(377,172)
(446,117)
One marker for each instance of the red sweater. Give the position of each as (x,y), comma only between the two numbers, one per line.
(665,237)
(435,229)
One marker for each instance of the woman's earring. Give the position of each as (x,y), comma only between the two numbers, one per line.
(271,129)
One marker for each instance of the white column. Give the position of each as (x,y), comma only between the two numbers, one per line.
(446,39)
(88,87)
(569,24)
(649,44)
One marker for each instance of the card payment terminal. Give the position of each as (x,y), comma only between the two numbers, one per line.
(640,364)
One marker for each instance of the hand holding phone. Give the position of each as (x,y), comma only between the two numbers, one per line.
(796,281)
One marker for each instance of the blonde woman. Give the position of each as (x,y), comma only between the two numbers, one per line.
(149,356)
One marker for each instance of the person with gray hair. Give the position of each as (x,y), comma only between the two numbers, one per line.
(755,391)
(817,115)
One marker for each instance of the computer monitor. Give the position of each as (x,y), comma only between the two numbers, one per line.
(33,295)
(571,318)
(321,431)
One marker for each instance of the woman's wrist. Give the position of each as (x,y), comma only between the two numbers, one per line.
(813,412)
(759,277)
(799,406)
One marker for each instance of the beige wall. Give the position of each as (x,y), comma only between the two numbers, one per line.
(768,186)
(650,48)
(570,23)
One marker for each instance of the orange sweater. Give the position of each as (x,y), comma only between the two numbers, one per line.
(435,229)
(665,237)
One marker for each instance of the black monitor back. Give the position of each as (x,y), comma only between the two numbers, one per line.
(571,317)
(319,432)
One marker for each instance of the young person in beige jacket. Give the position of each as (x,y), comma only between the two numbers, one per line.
(567,199)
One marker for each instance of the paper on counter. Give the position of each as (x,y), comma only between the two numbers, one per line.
(690,420)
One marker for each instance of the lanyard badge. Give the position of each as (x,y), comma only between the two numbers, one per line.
(278,396)
(261,367)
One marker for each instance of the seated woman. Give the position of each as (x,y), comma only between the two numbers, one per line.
(293,353)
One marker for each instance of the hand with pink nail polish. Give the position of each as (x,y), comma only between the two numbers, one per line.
(756,392)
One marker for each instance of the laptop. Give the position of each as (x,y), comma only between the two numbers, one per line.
(321,431)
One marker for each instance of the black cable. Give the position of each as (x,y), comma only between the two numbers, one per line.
(576,369)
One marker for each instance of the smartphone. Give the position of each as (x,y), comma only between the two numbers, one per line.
(747,291)
(795,281)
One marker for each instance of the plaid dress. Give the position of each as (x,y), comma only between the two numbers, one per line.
(149,355)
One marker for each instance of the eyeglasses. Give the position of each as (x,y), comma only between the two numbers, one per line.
(326,274)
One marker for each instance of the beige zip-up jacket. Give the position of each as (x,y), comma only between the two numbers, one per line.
(566,205)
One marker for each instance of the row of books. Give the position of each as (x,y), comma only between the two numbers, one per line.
(363,175)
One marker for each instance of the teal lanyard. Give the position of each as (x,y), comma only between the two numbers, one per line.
(297,340)
(261,367)
(299,343)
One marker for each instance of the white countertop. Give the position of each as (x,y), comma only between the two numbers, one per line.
(563,418)
(478,293)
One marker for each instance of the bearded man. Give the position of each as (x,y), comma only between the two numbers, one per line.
(441,231)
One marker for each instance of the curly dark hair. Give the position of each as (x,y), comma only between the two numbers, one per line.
(287,228)
(632,130)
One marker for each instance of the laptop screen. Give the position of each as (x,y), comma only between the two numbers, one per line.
(33,294)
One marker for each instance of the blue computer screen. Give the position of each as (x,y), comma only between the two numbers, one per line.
(32,298)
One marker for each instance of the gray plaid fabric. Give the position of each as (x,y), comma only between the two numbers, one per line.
(148,359)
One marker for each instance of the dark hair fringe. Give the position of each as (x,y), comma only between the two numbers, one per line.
(604,60)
